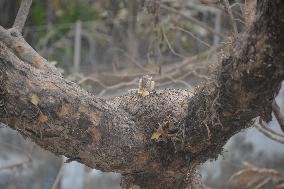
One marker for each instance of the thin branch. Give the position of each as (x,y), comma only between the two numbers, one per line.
(231,16)
(22,15)
(192,35)
(209,2)
(134,61)
(116,86)
(170,46)
(279,116)
(192,19)
(269,133)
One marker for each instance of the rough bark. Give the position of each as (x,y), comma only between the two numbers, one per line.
(115,134)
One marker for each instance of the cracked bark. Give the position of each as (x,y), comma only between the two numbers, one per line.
(114,134)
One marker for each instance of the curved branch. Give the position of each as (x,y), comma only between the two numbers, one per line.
(115,134)
(269,133)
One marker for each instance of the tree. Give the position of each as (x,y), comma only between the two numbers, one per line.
(115,134)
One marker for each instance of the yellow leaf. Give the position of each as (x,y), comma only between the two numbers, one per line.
(146,93)
(43,118)
(156,135)
(143,92)
(35,100)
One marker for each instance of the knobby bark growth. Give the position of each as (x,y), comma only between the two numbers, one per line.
(115,134)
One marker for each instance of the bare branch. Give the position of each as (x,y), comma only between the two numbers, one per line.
(209,2)
(193,36)
(22,15)
(192,19)
(269,133)
(134,61)
(254,177)
(279,116)
(231,16)
(23,50)
(170,46)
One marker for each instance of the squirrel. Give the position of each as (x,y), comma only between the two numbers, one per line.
(145,86)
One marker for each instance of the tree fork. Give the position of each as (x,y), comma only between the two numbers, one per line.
(115,134)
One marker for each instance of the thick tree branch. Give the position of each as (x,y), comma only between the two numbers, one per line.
(22,15)
(115,134)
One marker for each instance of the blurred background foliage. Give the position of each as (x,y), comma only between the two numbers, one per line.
(111,28)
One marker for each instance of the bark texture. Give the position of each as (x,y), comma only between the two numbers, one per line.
(115,134)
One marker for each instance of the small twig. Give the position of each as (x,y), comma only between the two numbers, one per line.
(240,21)
(170,46)
(192,19)
(116,86)
(192,35)
(279,116)
(269,133)
(209,2)
(22,15)
(134,61)
(231,16)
